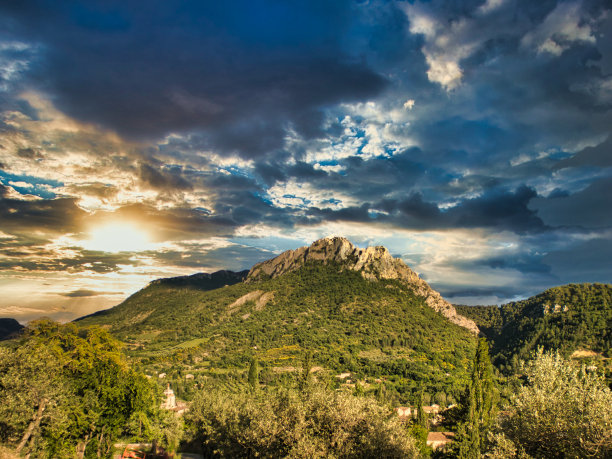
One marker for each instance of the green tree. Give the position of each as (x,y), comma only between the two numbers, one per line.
(254,374)
(290,423)
(421,417)
(33,393)
(419,433)
(481,397)
(306,376)
(69,392)
(562,410)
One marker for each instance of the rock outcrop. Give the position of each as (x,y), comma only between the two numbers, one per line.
(373,262)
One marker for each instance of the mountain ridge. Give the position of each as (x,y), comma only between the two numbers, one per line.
(374,263)
(9,328)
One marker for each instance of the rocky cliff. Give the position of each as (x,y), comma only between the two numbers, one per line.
(373,263)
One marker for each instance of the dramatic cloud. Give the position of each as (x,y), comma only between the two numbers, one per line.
(144,140)
(242,75)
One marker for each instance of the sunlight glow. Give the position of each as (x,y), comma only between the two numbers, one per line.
(118,237)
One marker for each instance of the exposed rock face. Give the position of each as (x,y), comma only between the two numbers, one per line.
(373,263)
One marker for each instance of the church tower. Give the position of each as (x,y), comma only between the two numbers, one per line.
(170,402)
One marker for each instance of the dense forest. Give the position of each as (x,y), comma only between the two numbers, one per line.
(575,319)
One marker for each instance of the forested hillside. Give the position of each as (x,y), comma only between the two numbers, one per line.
(570,318)
(348,323)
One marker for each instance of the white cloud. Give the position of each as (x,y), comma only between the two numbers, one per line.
(3,235)
(298,195)
(564,26)
(445,44)
(14,60)
(490,5)
(444,70)
(337,168)
(21,184)
(409,104)
(370,130)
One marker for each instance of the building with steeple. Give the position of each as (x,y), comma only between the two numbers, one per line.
(170,402)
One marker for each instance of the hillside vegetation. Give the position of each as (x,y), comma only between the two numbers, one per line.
(370,328)
(575,318)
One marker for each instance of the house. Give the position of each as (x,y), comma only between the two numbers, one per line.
(439,440)
(404,413)
(432,410)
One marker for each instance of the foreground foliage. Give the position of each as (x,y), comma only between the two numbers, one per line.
(562,410)
(69,392)
(288,423)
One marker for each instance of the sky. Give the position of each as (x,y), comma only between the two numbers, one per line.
(141,140)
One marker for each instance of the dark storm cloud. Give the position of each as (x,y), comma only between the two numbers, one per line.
(29,153)
(588,261)
(451,292)
(515,98)
(597,156)
(96,189)
(497,208)
(234,257)
(589,208)
(414,207)
(25,254)
(47,215)
(163,178)
(523,262)
(86,293)
(241,74)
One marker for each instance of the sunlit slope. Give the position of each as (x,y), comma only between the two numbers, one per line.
(571,318)
(347,321)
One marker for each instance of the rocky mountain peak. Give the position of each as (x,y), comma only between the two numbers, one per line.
(374,263)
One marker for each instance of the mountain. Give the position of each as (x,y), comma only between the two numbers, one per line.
(9,328)
(355,310)
(574,318)
(374,263)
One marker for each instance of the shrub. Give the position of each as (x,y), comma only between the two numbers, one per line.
(562,411)
(286,423)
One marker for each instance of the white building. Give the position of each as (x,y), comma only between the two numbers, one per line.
(170,402)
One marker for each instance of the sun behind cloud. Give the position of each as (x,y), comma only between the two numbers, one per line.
(116,237)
